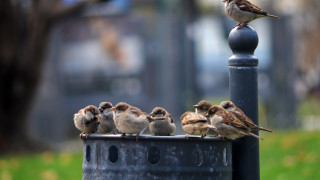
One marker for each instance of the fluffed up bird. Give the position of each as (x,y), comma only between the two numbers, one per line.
(86,120)
(194,124)
(231,107)
(227,125)
(129,119)
(105,118)
(202,108)
(161,122)
(244,11)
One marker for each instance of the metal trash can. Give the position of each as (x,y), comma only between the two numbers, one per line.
(156,157)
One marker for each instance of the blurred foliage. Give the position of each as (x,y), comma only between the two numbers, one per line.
(46,166)
(310,106)
(290,155)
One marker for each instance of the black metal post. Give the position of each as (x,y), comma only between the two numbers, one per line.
(243,86)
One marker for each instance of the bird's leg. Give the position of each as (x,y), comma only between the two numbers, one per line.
(122,135)
(222,136)
(186,136)
(203,135)
(114,132)
(241,25)
(87,135)
(81,134)
(238,25)
(137,137)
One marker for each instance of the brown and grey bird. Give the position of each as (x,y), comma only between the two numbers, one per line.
(161,122)
(105,118)
(244,11)
(86,120)
(129,119)
(228,125)
(194,124)
(231,107)
(202,108)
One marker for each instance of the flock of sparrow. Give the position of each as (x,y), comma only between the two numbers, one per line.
(224,120)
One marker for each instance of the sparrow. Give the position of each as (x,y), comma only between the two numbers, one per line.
(228,125)
(161,122)
(244,11)
(86,120)
(105,118)
(202,108)
(129,119)
(228,105)
(194,124)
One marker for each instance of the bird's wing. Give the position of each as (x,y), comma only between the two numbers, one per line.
(192,118)
(231,120)
(136,111)
(247,6)
(171,119)
(240,115)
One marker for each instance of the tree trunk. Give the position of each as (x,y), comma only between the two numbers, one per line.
(24,32)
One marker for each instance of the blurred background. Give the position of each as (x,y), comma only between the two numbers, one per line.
(59,56)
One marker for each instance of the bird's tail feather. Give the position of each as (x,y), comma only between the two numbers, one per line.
(264,129)
(256,136)
(273,16)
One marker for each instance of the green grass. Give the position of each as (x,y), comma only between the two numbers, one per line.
(310,106)
(46,166)
(290,155)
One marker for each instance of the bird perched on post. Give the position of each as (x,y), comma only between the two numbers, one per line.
(162,123)
(194,124)
(105,118)
(86,120)
(202,108)
(227,125)
(129,119)
(244,11)
(228,105)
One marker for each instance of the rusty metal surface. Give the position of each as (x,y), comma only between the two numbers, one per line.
(156,157)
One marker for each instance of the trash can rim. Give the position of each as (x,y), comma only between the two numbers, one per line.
(152,138)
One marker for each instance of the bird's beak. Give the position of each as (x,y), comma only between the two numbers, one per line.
(196,106)
(207,115)
(100,109)
(152,114)
(114,109)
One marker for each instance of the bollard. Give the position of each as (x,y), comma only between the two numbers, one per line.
(156,157)
(243,86)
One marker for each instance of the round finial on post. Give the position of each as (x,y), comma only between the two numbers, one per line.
(243,43)
(243,86)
